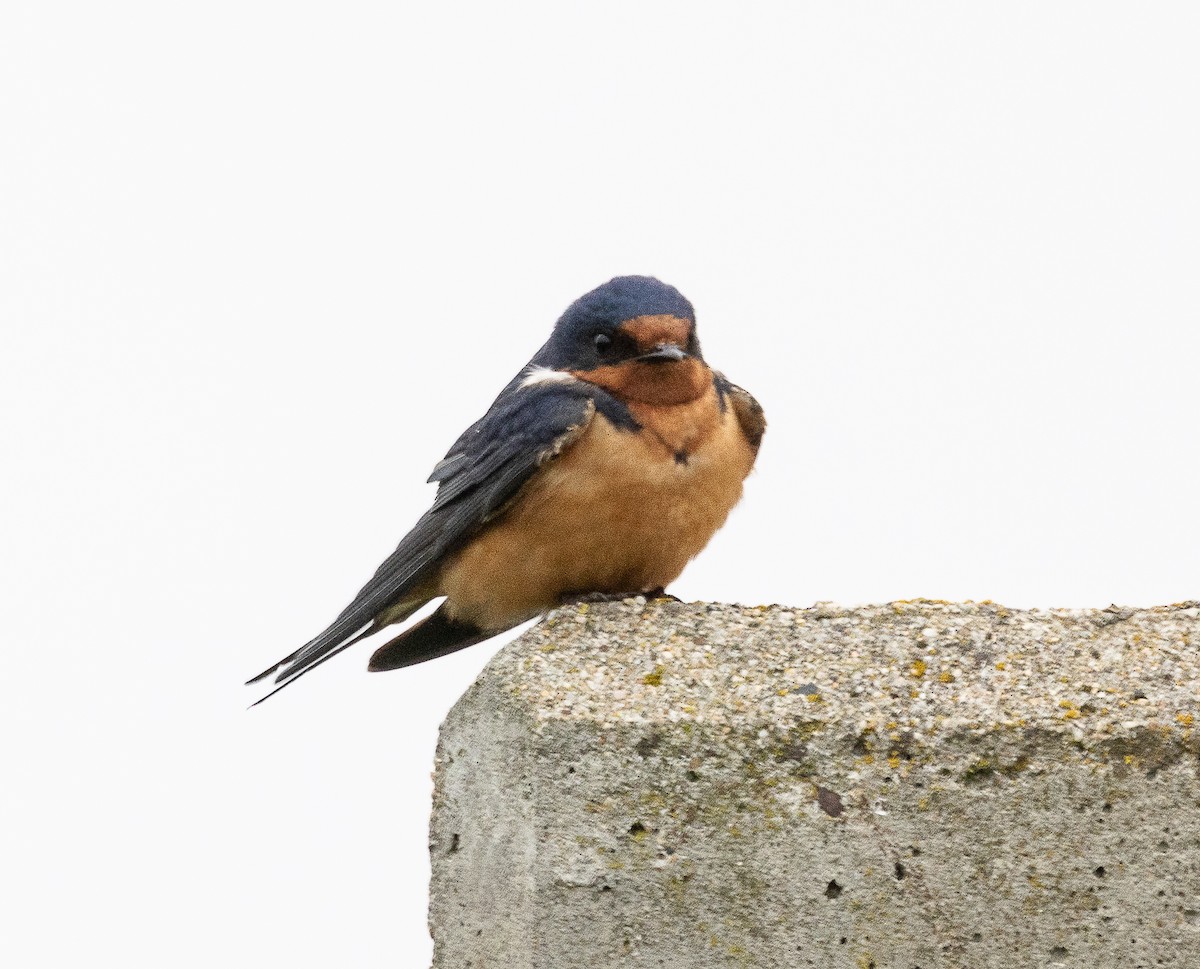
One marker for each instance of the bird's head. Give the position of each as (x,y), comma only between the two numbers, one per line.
(635,337)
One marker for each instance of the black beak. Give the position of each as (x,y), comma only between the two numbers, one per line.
(664,353)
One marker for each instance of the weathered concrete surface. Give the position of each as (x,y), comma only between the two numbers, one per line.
(911,785)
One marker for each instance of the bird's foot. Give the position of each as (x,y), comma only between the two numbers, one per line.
(575,598)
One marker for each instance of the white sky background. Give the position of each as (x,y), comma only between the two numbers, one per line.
(261,263)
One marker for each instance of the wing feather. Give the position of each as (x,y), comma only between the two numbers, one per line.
(484,471)
(748,411)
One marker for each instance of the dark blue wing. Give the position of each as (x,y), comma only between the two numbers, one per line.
(483,471)
(748,411)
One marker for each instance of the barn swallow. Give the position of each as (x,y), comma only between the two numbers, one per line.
(604,466)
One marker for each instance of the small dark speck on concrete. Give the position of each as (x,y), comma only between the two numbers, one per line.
(648,744)
(833,889)
(830,802)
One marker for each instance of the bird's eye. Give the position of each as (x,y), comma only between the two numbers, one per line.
(602,342)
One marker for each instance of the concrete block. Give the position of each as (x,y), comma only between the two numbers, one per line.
(909,786)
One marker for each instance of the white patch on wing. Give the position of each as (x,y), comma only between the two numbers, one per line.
(546,375)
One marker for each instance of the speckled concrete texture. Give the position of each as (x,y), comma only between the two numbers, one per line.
(918,785)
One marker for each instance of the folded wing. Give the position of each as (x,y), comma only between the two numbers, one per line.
(526,427)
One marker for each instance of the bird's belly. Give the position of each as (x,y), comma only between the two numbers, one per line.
(617,512)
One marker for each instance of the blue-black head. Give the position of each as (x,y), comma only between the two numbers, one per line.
(628,319)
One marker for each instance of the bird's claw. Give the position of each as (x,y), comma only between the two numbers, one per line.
(576,598)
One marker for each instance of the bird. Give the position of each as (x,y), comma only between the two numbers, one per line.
(602,468)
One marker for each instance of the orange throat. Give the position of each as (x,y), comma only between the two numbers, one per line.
(660,384)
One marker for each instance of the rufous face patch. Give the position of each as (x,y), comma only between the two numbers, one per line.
(649,331)
(678,382)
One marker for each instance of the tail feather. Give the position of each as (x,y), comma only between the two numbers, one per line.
(289,676)
(331,642)
(283,662)
(434,636)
